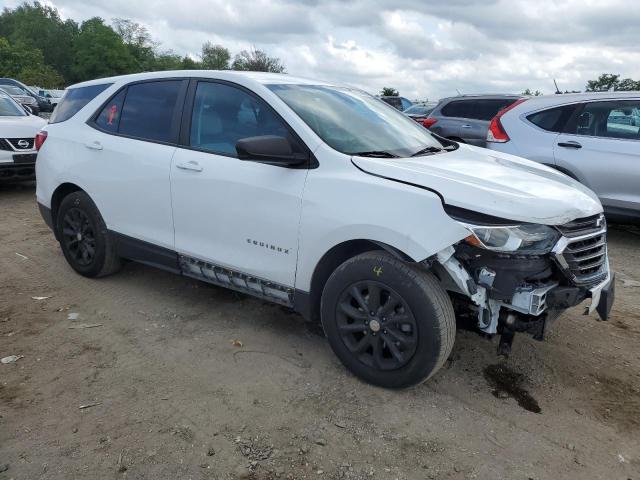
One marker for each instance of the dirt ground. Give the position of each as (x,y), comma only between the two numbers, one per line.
(167,395)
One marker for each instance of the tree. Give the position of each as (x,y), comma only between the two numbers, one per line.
(27,63)
(139,42)
(189,63)
(257,61)
(39,26)
(100,52)
(389,92)
(628,84)
(609,81)
(528,91)
(215,57)
(605,82)
(167,61)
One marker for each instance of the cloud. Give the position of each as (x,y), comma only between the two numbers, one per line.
(424,48)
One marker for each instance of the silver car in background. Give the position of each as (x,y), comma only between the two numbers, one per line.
(593,137)
(466,118)
(20,96)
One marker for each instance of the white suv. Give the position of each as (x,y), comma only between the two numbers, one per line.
(324,199)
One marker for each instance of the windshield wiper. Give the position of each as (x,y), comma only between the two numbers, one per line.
(429,150)
(375,153)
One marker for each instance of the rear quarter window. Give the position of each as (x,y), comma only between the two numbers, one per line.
(552,119)
(74,100)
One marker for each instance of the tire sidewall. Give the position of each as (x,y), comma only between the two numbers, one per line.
(82,202)
(429,345)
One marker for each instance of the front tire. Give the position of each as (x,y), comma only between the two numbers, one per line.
(84,238)
(389,322)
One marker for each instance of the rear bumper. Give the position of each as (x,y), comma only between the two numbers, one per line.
(11,172)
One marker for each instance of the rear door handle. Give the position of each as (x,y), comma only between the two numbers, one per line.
(190,165)
(96,145)
(569,145)
(466,126)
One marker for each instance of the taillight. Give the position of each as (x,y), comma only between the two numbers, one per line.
(429,122)
(496,131)
(41,136)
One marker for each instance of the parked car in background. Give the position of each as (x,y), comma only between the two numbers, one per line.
(466,118)
(53,96)
(44,105)
(332,204)
(420,111)
(22,97)
(592,137)
(395,101)
(17,133)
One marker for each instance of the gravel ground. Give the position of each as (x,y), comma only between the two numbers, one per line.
(172,378)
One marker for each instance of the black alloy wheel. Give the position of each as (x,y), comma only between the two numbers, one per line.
(377,325)
(78,236)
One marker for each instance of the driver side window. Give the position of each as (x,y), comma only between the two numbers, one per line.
(223,114)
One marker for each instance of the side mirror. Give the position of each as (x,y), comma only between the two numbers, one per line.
(271,149)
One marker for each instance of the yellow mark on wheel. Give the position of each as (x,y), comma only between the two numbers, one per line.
(377,271)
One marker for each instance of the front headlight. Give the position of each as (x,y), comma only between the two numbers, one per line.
(525,239)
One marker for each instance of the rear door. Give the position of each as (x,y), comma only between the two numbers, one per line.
(233,213)
(129,150)
(449,118)
(602,147)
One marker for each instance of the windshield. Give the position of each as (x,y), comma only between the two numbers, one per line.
(353,122)
(9,108)
(419,110)
(13,90)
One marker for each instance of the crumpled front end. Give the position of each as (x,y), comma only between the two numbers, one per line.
(508,292)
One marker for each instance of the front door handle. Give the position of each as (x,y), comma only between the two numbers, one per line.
(95,145)
(570,145)
(465,126)
(190,165)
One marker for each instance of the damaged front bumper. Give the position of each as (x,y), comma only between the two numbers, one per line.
(521,293)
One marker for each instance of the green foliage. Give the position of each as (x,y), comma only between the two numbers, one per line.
(27,63)
(609,81)
(100,52)
(215,57)
(257,61)
(39,26)
(39,48)
(528,91)
(389,92)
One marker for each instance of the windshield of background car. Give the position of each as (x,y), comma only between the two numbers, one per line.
(419,110)
(9,108)
(353,121)
(13,90)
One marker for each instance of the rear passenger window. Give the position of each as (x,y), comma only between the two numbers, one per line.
(149,109)
(223,114)
(74,100)
(463,109)
(553,119)
(109,118)
(487,109)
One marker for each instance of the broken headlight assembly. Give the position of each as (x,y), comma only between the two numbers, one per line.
(528,239)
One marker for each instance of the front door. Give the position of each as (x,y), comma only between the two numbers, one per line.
(233,213)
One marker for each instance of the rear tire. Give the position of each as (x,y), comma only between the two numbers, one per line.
(389,322)
(84,238)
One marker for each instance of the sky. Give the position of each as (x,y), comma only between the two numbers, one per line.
(427,49)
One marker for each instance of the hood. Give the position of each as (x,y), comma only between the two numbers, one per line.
(21,127)
(492,183)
